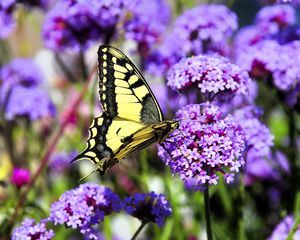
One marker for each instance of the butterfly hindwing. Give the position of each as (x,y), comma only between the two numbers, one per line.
(123,90)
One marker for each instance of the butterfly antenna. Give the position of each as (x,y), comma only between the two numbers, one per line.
(89,174)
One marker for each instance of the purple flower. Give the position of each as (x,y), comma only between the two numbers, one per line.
(21,93)
(7,22)
(148,207)
(33,103)
(60,161)
(77,24)
(258,134)
(283,228)
(197,33)
(83,207)
(147,23)
(205,144)
(20,177)
(31,230)
(19,72)
(270,167)
(272,19)
(213,75)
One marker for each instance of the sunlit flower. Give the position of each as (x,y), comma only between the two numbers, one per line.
(206,144)
(149,207)
(213,75)
(31,230)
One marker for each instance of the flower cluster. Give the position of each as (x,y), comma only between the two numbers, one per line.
(192,35)
(283,228)
(85,206)
(147,23)
(271,19)
(76,24)
(149,207)
(204,145)
(213,75)
(267,50)
(21,93)
(31,230)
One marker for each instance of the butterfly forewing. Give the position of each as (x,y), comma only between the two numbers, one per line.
(123,90)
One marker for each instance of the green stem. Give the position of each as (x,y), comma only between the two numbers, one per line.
(139,230)
(207,212)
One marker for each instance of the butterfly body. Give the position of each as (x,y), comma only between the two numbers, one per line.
(131,118)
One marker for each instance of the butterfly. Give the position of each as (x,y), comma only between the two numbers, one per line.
(132,118)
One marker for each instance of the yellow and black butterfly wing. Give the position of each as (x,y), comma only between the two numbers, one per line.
(123,91)
(131,119)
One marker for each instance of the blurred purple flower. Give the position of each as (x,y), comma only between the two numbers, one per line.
(271,19)
(77,24)
(19,72)
(147,23)
(20,91)
(283,228)
(205,144)
(213,75)
(269,167)
(60,161)
(268,59)
(258,134)
(83,207)
(31,230)
(197,33)
(20,177)
(148,207)
(7,22)
(33,103)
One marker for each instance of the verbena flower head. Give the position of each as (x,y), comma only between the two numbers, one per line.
(269,167)
(83,207)
(19,72)
(270,60)
(148,207)
(213,75)
(282,230)
(272,19)
(77,24)
(37,105)
(20,177)
(147,22)
(7,22)
(199,27)
(206,144)
(43,4)
(33,231)
(21,79)
(258,134)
